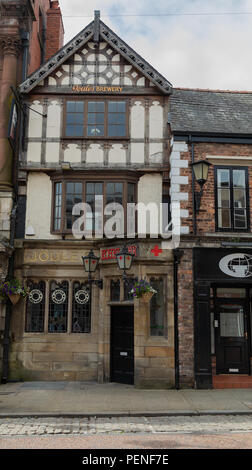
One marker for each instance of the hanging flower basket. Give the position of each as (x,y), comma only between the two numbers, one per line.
(14,298)
(12,290)
(147,297)
(142,290)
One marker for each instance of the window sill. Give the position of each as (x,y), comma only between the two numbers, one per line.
(91,138)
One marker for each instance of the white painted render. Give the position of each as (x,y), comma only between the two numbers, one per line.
(117,155)
(53,119)
(156,121)
(72,153)
(149,192)
(34,152)
(35,120)
(38,211)
(137,121)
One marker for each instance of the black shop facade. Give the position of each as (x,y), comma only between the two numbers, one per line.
(222,317)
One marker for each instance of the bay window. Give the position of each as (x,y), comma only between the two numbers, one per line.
(67,193)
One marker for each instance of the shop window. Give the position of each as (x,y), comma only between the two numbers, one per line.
(35,307)
(96,119)
(67,193)
(58,307)
(158,326)
(81,308)
(232,199)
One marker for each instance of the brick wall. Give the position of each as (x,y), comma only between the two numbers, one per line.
(185,320)
(206,215)
(54,33)
(55,30)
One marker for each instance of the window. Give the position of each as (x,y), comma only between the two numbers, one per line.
(232,208)
(81,308)
(96,119)
(74,119)
(58,305)
(35,307)
(157,309)
(58,318)
(68,193)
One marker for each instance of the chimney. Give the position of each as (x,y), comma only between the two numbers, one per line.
(54,30)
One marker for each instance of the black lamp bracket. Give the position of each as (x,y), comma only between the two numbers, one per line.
(97,282)
(197,198)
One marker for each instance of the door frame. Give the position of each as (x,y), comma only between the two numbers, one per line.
(118,306)
(247,314)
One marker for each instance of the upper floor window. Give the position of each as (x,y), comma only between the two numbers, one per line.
(232,198)
(95,119)
(67,193)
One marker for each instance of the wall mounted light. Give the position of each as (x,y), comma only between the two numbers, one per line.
(200,171)
(90,263)
(124,260)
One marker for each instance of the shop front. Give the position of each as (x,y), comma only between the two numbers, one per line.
(70,328)
(223,296)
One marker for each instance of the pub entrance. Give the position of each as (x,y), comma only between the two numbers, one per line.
(231,327)
(122,344)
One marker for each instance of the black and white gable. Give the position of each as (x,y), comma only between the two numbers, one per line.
(96,57)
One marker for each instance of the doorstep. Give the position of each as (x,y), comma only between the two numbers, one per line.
(232,381)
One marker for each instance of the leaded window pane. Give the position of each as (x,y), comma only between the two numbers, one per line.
(116,119)
(81,308)
(73,196)
(127,288)
(115,290)
(75,119)
(157,309)
(58,307)
(35,307)
(57,206)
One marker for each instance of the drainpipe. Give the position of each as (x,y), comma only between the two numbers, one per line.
(178,253)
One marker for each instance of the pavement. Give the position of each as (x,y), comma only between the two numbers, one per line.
(87,399)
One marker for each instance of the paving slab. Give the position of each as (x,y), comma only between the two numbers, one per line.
(112,399)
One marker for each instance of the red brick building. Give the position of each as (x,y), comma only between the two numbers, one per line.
(30,30)
(214,274)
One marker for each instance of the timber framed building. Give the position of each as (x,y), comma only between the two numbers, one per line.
(99,129)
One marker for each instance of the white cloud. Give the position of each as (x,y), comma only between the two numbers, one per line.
(190,51)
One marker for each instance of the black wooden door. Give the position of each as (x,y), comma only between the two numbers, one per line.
(122,344)
(231,326)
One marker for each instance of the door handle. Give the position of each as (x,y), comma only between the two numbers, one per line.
(246,335)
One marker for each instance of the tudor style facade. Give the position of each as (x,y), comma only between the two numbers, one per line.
(100,129)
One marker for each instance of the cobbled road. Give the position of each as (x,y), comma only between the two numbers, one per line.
(207,424)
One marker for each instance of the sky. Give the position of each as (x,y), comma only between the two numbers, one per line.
(193,43)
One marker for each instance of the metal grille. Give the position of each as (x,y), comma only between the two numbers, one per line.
(81,308)
(35,307)
(58,306)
